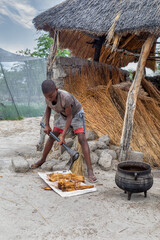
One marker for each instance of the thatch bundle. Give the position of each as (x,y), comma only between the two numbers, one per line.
(104,105)
(93,74)
(78,166)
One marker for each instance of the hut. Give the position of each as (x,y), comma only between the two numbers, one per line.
(115,33)
(84,26)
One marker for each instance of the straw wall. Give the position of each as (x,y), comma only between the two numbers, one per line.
(104,106)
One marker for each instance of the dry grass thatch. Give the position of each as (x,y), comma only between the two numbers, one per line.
(78,165)
(104,105)
(78,43)
(97,17)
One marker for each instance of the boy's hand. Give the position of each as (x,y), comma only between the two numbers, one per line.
(47,129)
(62,140)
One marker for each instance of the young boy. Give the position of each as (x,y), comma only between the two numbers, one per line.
(71,114)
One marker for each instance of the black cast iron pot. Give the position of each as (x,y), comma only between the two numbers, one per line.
(134,177)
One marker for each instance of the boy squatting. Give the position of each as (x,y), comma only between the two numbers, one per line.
(70,109)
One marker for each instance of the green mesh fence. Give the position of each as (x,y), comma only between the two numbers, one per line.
(20,88)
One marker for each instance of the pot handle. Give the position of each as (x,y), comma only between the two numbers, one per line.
(135,176)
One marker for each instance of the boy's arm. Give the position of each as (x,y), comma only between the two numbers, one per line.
(68,112)
(47,114)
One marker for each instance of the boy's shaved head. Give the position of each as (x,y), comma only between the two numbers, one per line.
(48,86)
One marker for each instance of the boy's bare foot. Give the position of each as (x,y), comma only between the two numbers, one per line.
(37,164)
(91,177)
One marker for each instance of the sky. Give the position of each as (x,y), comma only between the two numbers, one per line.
(16,29)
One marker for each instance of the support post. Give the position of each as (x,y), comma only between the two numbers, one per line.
(50,62)
(132,98)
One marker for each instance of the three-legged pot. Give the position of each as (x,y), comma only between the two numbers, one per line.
(134,177)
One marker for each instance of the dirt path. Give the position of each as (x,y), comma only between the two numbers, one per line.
(29,212)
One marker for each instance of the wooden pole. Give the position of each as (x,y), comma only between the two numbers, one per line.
(132,98)
(50,62)
(52,55)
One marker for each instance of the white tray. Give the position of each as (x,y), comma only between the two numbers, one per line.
(64,194)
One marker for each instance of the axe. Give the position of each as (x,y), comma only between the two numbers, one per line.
(74,154)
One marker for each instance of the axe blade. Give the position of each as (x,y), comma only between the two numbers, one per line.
(69,164)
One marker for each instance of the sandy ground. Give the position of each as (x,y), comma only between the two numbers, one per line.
(29,212)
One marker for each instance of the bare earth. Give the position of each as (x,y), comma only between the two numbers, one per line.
(28,212)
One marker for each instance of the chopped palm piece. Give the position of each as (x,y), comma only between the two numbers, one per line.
(68,182)
(70,176)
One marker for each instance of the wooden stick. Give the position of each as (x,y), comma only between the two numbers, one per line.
(127,41)
(132,98)
(9,200)
(52,55)
(50,62)
(115,42)
(40,144)
(24,199)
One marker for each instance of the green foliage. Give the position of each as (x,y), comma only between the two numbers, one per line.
(158,65)
(44,43)
(8,112)
(63,53)
(130,74)
(14,118)
(26,52)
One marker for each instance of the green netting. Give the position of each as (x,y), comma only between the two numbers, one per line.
(20,88)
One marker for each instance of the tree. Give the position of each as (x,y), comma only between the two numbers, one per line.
(26,52)
(44,43)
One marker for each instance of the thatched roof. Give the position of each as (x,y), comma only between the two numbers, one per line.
(97,16)
(79,19)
